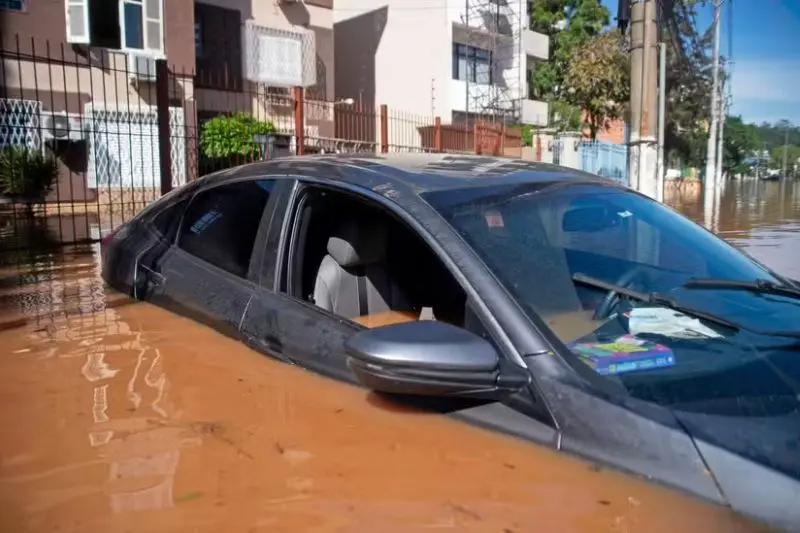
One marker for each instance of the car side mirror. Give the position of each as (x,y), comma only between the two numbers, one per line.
(432,358)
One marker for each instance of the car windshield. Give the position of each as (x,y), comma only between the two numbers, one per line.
(560,249)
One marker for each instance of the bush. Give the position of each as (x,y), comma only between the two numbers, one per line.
(26,173)
(223,137)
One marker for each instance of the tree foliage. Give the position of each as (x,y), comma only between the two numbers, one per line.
(689,82)
(741,141)
(569,24)
(26,173)
(597,80)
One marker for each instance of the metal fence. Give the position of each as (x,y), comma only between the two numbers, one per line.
(605,159)
(124,130)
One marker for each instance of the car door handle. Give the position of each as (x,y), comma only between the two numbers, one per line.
(272,344)
(153,277)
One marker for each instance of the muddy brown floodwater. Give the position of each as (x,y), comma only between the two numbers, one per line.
(119,416)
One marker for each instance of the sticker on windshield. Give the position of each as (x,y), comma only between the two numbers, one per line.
(494,219)
(625,214)
(624,354)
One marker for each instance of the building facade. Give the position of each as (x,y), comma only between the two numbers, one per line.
(78,74)
(453,60)
(78,78)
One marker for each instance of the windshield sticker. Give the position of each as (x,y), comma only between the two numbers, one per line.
(494,219)
(625,214)
(204,222)
(625,354)
(667,322)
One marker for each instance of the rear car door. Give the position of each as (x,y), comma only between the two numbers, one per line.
(206,274)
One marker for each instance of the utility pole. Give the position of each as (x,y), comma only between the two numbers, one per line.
(662,120)
(785,151)
(711,153)
(723,113)
(642,144)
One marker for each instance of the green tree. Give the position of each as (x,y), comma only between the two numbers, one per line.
(597,80)
(792,158)
(688,85)
(569,24)
(741,142)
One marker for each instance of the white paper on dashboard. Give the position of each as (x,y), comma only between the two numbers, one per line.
(667,322)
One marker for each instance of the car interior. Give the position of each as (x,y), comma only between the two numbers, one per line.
(359,262)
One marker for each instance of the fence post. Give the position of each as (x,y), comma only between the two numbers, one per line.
(476,144)
(538,143)
(384,112)
(299,120)
(162,117)
(437,134)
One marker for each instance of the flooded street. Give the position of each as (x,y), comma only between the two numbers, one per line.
(760,217)
(119,416)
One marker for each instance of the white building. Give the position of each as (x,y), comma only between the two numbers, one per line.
(445,58)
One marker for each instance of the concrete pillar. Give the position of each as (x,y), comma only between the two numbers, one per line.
(570,143)
(643,165)
(547,138)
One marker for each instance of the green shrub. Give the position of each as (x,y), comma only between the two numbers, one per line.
(229,136)
(26,173)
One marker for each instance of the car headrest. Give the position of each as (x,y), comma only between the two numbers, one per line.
(357,243)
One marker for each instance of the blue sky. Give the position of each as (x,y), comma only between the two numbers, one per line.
(766,51)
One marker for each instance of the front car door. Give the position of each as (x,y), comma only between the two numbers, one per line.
(207,273)
(290,326)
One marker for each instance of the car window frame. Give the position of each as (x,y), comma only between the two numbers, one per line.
(261,232)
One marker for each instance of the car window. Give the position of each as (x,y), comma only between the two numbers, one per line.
(167,220)
(356,260)
(221,223)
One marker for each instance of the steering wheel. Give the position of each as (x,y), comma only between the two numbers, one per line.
(611,299)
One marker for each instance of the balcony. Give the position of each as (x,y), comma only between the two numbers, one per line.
(536,44)
(535,112)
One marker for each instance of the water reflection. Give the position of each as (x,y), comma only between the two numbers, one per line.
(760,217)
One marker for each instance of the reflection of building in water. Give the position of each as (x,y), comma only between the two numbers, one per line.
(156,497)
(128,389)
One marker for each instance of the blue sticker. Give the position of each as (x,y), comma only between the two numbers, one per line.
(265,184)
(204,222)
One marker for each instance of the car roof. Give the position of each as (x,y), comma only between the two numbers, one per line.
(419,172)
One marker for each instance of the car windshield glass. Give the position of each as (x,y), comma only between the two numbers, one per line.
(549,245)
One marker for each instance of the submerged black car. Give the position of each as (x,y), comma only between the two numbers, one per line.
(535,300)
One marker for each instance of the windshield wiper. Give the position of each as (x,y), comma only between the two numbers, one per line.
(759,286)
(653,298)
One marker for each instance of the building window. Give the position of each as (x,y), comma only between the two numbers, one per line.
(130,25)
(472,64)
(198,39)
(12,5)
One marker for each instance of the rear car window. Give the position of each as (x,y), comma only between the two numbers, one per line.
(220,224)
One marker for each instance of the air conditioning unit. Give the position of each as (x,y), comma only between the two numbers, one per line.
(62,126)
(141,68)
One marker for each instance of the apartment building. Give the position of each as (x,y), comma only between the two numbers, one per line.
(78,78)
(453,59)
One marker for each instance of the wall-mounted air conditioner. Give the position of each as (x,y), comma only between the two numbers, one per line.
(62,126)
(141,68)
